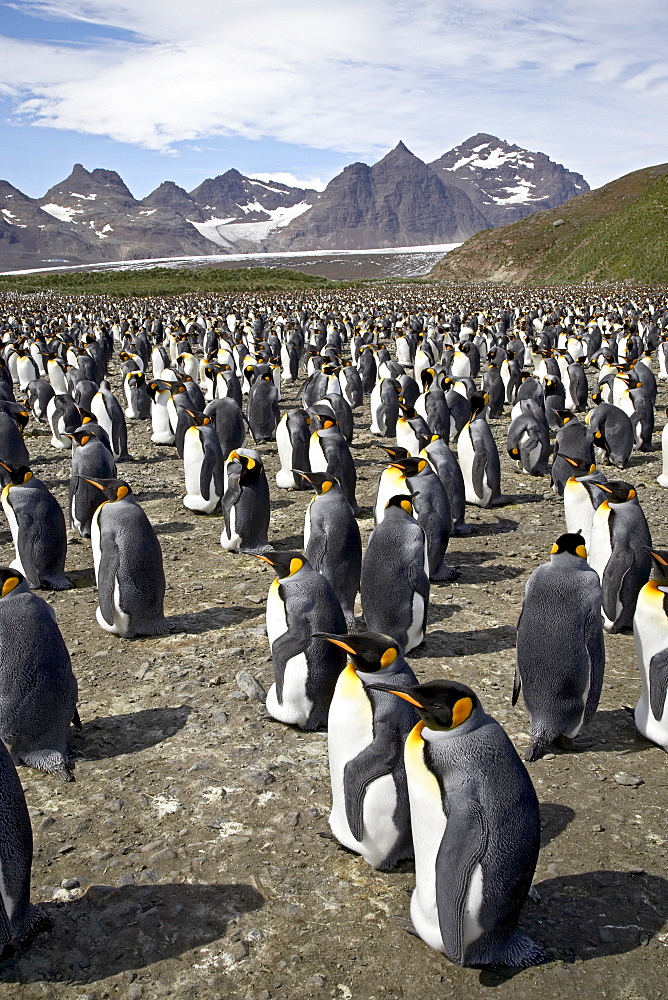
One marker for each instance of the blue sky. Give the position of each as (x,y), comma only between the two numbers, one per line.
(162,90)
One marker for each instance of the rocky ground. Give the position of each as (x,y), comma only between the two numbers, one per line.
(192,856)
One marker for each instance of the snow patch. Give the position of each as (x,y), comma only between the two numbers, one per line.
(517,195)
(148,211)
(227,232)
(496,158)
(62,213)
(86,197)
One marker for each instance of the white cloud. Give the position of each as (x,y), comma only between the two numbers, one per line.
(348,75)
(316,183)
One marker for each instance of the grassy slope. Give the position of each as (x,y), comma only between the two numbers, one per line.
(615,233)
(164,281)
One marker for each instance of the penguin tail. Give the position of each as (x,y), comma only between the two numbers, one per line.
(631,711)
(537,748)
(76,721)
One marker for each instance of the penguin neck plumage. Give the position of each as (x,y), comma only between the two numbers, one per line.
(373,676)
(477,718)
(567,560)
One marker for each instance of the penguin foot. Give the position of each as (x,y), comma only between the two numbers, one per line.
(463,529)
(519,952)
(51,761)
(444,574)
(575,744)
(36,921)
(257,551)
(537,749)
(56,582)
(159,627)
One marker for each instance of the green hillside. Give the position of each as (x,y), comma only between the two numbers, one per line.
(616,233)
(164,281)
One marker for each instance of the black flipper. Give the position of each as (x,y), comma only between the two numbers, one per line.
(76,721)
(317,549)
(106,582)
(658,682)
(463,846)
(379,758)
(517,685)
(206,473)
(478,474)
(616,569)
(232,494)
(290,644)
(26,544)
(596,652)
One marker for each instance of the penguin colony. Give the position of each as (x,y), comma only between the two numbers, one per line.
(418,769)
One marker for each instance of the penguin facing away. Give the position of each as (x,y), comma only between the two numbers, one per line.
(39,689)
(366,732)
(478,457)
(560,651)
(37,524)
(476,829)
(650,628)
(128,565)
(332,542)
(301,603)
(396,555)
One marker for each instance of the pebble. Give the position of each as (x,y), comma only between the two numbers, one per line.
(135,991)
(250,686)
(70,883)
(47,822)
(623,778)
(219,716)
(166,854)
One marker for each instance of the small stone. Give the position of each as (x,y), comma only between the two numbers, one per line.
(549,756)
(631,780)
(154,845)
(254,935)
(318,980)
(70,883)
(47,822)
(250,686)
(239,950)
(255,598)
(199,765)
(166,854)
(197,586)
(597,828)
(219,716)
(66,848)
(262,778)
(135,991)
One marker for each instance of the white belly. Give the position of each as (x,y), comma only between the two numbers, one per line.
(162,430)
(284,478)
(316,455)
(14,528)
(425,800)
(578,512)
(650,629)
(662,480)
(233,540)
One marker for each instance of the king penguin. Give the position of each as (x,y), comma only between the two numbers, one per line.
(332,542)
(91,459)
(650,628)
(37,524)
(246,506)
(292,441)
(301,603)
(19,919)
(396,555)
(620,552)
(366,732)
(478,457)
(128,565)
(560,652)
(39,689)
(202,466)
(476,829)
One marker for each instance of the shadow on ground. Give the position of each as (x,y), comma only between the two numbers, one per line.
(113,735)
(111,930)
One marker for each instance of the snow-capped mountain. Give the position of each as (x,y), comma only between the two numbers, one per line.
(507,182)
(399,201)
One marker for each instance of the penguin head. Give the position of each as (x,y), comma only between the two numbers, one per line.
(479,401)
(410,466)
(16,475)
(427,376)
(597,397)
(321,482)
(12,582)
(579,465)
(443,705)
(323,418)
(617,491)
(286,563)
(564,417)
(81,436)
(659,565)
(113,489)
(396,454)
(402,500)
(369,652)
(571,543)
(250,466)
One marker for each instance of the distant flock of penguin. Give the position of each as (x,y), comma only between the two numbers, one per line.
(417,769)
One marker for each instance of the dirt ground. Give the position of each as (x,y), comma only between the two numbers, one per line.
(192,856)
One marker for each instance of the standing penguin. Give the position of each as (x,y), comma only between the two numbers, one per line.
(385,407)
(202,466)
(109,415)
(38,528)
(573,439)
(300,604)
(262,408)
(662,480)
(613,432)
(478,457)
(138,399)
(560,651)
(91,459)
(650,628)
(476,829)
(529,439)
(292,441)
(128,565)
(620,552)
(19,919)
(329,452)
(39,690)
(246,507)
(444,463)
(332,542)
(581,498)
(396,556)
(366,732)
